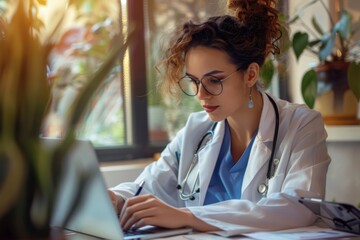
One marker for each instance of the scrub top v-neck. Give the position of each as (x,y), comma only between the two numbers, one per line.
(227,178)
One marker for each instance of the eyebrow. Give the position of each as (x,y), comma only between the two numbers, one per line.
(206,74)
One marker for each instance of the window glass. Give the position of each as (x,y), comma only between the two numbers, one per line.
(82,48)
(162,17)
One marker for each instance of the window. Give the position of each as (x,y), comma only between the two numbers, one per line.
(127,118)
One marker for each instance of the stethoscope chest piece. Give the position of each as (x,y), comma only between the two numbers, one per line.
(262,188)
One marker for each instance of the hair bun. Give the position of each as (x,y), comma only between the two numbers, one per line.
(244,9)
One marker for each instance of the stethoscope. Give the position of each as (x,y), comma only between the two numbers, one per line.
(194,189)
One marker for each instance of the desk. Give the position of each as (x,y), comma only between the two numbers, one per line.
(207,236)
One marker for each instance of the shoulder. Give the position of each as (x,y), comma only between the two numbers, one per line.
(198,118)
(197,122)
(300,113)
(299,116)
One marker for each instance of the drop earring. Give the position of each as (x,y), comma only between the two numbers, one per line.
(250,102)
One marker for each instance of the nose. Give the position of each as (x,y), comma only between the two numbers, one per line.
(203,94)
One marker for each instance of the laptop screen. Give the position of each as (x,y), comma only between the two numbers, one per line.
(95,214)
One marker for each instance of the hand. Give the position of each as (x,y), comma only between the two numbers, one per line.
(117,202)
(147,210)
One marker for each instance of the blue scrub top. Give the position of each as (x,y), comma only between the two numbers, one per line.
(227,178)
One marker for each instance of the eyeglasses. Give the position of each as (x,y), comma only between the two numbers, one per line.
(213,85)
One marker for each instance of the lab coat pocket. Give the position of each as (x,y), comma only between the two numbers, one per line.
(275,183)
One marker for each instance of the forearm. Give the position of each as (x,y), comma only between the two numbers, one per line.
(197,224)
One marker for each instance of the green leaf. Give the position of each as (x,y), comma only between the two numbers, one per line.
(299,43)
(294,19)
(314,42)
(316,26)
(353,79)
(96,79)
(309,87)
(327,46)
(343,26)
(267,72)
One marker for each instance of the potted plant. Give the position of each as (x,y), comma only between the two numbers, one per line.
(334,83)
(30,173)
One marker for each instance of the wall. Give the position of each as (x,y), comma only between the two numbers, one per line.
(124,171)
(343,179)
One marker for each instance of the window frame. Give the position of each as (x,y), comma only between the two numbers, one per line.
(141,146)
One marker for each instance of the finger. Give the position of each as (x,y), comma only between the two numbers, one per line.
(139,219)
(114,200)
(133,201)
(128,211)
(117,201)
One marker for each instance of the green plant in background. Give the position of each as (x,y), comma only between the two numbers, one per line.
(80,50)
(334,45)
(276,63)
(30,173)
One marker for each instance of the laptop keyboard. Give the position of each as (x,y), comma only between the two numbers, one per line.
(145,230)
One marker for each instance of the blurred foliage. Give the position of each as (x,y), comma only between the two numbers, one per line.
(83,42)
(335,45)
(30,173)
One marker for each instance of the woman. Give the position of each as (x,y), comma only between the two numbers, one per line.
(255,136)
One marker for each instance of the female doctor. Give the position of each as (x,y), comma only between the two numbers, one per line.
(242,163)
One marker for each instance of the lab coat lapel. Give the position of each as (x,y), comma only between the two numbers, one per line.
(207,160)
(261,149)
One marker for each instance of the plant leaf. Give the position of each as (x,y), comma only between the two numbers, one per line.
(12,180)
(327,46)
(353,79)
(299,43)
(309,87)
(316,26)
(95,81)
(267,72)
(314,42)
(343,26)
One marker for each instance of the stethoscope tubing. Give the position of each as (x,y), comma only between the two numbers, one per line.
(276,132)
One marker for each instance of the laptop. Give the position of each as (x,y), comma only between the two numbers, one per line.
(95,215)
(338,216)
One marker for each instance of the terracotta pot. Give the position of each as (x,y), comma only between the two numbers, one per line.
(335,100)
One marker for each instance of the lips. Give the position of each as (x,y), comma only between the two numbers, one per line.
(209,108)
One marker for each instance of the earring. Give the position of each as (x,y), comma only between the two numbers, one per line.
(250,102)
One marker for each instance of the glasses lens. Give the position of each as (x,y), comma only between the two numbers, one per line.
(213,85)
(188,86)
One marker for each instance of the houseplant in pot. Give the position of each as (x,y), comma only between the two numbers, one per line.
(30,173)
(333,86)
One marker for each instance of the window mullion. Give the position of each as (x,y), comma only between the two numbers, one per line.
(138,98)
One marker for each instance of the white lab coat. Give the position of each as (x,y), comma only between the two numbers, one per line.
(301,149)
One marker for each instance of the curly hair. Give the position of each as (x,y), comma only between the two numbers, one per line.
(250,35)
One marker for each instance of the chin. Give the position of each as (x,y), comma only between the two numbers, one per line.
(215,118)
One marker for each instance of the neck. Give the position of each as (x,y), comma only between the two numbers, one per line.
(243,126)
